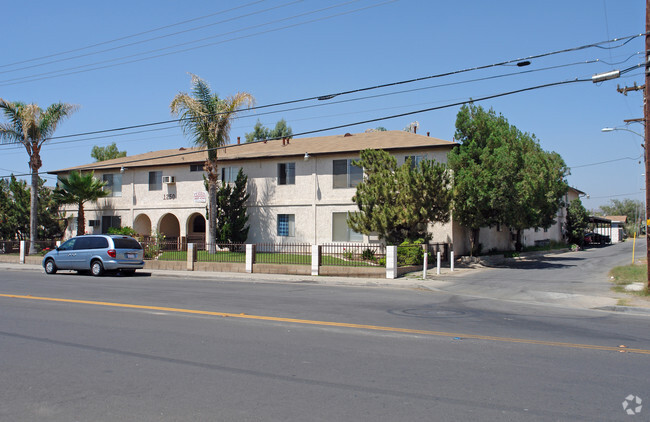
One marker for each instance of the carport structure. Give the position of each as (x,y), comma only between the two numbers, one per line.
(602,226)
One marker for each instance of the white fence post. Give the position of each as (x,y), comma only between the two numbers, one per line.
(425,265)
(451,261)
(391,262)
(315,259)
(22,252)
(438,263)
(250,257)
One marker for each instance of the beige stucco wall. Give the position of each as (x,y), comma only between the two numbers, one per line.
(312,199)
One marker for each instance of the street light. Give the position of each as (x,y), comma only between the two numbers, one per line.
(611,129)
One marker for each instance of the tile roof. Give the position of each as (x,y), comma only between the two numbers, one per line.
(334,144)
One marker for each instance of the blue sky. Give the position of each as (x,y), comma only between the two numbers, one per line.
(352,44)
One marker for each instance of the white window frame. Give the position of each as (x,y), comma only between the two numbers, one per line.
(350,235)
(113,180)
(291,225)
(350,182)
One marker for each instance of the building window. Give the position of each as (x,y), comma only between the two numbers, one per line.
(415,160)
(155,180)
(196,167)
(286,225)
(109,221)
(229,174)
(113,184)
(341,232)
(287,174)
(345,174)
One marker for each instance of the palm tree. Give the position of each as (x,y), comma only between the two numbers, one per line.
(78,189)
(207,119)
(32,126)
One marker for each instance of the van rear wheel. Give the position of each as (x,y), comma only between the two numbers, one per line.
(96,268)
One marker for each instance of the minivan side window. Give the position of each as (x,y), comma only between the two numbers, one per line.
(68,245)
(82,243)
(91,242)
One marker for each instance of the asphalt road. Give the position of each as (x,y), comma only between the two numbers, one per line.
(166,349)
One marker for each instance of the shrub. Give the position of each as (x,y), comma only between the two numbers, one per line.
(368,255)
(410,253)
(125,231)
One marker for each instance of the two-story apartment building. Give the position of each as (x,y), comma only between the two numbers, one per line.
(300,189)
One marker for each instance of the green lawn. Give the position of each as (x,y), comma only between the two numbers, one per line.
(261,258)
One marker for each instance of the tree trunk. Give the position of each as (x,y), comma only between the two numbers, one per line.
(33,207)
(212,216)
(81,220)
(518,245)
(473,241)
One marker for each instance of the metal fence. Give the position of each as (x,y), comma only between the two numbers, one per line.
(353,255)
(166,250)
(221,252)
(13,246)
(291,253)
(9,247)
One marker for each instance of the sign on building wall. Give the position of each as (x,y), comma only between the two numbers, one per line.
(200,197)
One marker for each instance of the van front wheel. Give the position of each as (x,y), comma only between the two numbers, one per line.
(50,267)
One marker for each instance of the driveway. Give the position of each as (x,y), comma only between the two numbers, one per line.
(571,279)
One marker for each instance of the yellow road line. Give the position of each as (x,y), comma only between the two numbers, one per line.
(334,324)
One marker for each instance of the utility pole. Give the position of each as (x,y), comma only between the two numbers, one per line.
(646,116)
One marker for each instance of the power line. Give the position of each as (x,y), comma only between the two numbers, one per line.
(35,77)
(118,129)
(471,100)
(605,162)
(143,41)
(131,36)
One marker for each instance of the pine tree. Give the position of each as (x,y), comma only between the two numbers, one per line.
(231,211)
(398,202)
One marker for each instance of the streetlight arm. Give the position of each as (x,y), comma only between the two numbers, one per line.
(611,129)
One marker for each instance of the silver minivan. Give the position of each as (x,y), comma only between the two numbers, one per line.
(96,253)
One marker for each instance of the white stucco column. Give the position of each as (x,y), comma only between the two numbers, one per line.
(391,262)
(191,256)
(22,252)
(250,257)
(315,259)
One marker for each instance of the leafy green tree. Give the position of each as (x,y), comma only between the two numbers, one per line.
(502,175)
(207,120)
(631,208)
(31,126)
(231,211)
(108,152)
(77,189)
(577,221)
(398,202)
(51,225)
(14,211)
(260,132)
